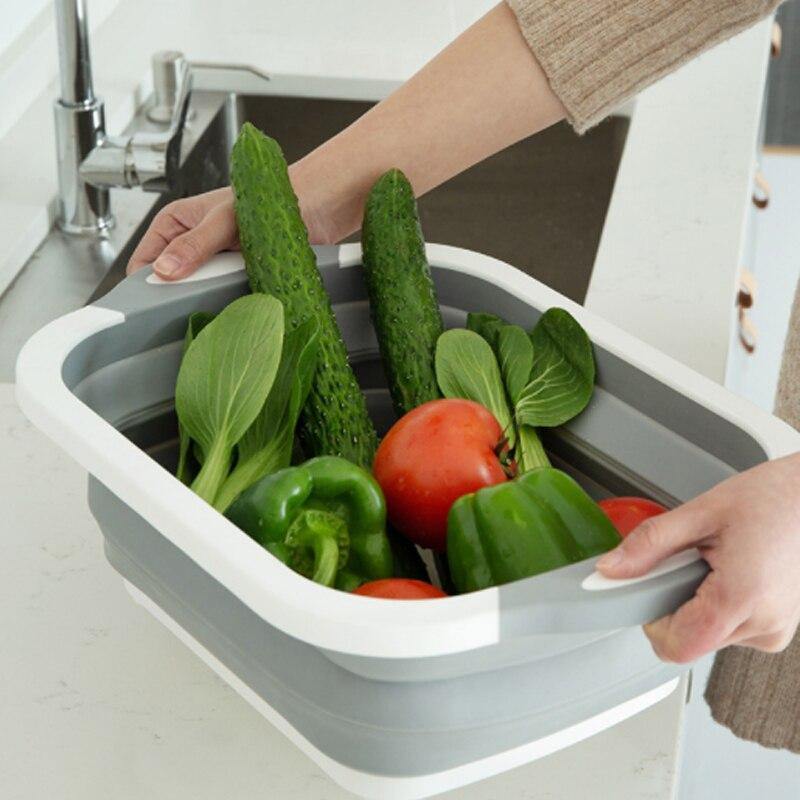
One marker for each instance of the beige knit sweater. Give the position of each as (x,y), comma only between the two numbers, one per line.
(596,54)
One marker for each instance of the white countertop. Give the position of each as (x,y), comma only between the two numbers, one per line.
(99,701)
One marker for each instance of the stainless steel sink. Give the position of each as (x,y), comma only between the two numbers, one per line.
(539,205)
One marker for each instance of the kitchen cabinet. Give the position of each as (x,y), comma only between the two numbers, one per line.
(768,272)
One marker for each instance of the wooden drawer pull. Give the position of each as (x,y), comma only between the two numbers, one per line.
(748,333)
(762,191)
(777,40)
(746,297)
(748,288)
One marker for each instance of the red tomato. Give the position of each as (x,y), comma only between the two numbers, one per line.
(400,589)
(628,513)
(432,456)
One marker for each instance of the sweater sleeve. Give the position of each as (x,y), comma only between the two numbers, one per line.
(598,53)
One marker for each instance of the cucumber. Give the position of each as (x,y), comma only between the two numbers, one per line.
(280,261)
(405,312)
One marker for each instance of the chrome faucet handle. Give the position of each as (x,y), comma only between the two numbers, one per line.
(147,159)
(168,75)
(155,157)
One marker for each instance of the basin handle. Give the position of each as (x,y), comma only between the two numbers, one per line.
(144,289)
(578,599)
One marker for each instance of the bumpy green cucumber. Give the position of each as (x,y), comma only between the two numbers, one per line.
(280,262)
(405,312)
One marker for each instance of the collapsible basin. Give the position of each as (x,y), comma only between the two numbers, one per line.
(393,699)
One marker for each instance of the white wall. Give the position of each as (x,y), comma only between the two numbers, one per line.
(28,55)
(15,17)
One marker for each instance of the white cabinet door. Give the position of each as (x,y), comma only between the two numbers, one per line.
(774,255)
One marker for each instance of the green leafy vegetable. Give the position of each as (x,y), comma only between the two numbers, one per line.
(515,353)
(267,444)
(467,368)
(224,380)
(196,323)
(562,377)
(548,377)
(530,452)
(485,325)
(510,344)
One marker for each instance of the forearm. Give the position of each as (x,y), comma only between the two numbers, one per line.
(482,93)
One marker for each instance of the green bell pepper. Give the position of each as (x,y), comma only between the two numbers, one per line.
(538,522)
(326,519)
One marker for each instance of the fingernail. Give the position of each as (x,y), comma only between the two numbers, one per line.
(611,560)
(166,265)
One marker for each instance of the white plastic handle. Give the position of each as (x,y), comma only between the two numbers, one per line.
(221,264)
(600,583)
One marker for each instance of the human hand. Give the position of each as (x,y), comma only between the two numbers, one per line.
(187,232)
(748,530)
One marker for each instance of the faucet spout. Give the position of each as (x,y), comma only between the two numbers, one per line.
(89,161)
(73,52)
(80,125)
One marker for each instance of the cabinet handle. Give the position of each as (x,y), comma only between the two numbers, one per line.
(746,297)
(748,288)
(777,40)
(748,333)
(762,191)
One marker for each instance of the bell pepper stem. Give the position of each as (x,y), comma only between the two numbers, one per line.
(326,559)
(317,542)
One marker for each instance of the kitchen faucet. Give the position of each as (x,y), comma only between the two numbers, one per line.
(89,160)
